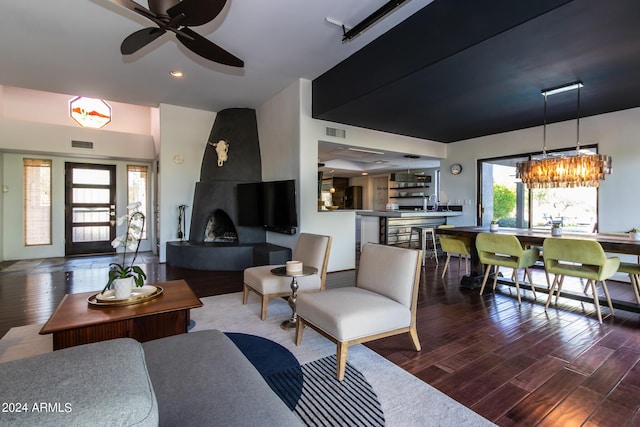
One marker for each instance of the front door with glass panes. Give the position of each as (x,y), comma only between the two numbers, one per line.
(90,203)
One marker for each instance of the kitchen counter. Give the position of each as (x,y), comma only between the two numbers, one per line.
(409,214)
(394,227)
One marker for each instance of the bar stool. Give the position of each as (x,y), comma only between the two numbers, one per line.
(422,240)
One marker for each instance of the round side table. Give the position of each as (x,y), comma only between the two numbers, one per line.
(282,271)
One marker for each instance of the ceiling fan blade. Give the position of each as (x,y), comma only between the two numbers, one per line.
(197,12)
(208,49)
(136,7)
(140,10)
(140,39)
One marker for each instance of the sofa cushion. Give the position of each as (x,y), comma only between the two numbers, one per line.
(203,379)
(105,383)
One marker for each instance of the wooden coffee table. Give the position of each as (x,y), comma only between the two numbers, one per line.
(75,322)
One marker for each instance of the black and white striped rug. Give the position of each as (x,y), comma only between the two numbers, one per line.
(326,401)
(312,390)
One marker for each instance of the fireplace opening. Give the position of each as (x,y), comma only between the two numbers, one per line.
(220,228)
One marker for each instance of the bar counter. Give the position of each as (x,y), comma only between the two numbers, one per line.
(394,227)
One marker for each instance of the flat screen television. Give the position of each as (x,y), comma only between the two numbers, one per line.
(250,204)
(271,204)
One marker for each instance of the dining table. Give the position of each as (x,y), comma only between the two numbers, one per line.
(611,242)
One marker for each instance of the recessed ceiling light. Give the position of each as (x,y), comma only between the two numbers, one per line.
(176,73)
(364,150)
(365,173)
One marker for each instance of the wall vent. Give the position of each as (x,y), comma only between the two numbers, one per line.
(82,144)
(338,133)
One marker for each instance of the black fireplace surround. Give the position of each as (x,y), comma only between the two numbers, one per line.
(216,240)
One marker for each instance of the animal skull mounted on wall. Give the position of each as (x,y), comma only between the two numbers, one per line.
(222,149)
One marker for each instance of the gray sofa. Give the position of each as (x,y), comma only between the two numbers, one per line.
(194,379)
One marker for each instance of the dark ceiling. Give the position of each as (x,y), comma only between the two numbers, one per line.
(459,69)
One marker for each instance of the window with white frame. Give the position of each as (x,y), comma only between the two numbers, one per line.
(137,190)
(37,201)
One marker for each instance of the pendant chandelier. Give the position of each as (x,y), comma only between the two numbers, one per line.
(581,170)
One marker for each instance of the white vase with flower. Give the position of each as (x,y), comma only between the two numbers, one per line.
(123,277)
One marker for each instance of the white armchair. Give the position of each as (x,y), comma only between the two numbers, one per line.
(312,249)
(383,302)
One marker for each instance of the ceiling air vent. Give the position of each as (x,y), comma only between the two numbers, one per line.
(82,144)
(338,133)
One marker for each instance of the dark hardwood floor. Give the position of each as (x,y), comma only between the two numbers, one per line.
(515,365)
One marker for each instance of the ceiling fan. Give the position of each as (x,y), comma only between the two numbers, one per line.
(177,16)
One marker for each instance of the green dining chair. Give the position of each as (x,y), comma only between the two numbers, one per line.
(579,258)
(460,246)
(504,250)
(633,270)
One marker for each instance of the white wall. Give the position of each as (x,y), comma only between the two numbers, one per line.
(341,224)
(2,205)
(616,135)
(12,218)
(183,131)
(53,108)
(36,124)
(279,136)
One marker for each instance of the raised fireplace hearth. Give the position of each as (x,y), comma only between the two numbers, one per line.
(217,241)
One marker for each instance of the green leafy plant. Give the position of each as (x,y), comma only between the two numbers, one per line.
(634,230)
(556,225)
(494,221)
(504,201)
(130,240)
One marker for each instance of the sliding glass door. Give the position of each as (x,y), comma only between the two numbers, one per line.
(502,197)
(505,199)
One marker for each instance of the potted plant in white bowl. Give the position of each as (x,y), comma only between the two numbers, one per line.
(634,233)
(494,225)
(556,230)
(123,277)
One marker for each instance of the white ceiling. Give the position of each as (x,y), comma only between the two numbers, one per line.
(73,47)
(342,160)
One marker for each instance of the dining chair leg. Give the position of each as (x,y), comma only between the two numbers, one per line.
(486,276)
(527,272)
(518,288)
(606,293)
(546,274)
(635,284)
(466,268)
(560,283)
(551,289)
(446,265)
(495,277)
(595,299)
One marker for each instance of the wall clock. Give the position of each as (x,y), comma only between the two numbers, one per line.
(456,168)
